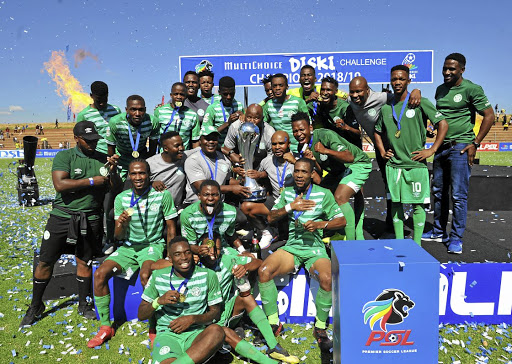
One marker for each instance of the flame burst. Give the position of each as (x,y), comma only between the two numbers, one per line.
(67,85)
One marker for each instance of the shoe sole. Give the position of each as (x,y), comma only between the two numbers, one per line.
(283,358)
(452,252)
(434,240)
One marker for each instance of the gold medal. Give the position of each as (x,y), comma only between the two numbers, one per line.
(281,190)
(210,243)
(182,298)
(130,211)
(397,134)
(296,223)
(178,103)
(135,154)
(320,98)
(104,171)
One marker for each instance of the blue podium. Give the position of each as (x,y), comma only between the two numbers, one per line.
(385,302)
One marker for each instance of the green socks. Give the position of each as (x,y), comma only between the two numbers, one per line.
(350,229)
(260,320)
(359,227)
(250,352)
(184,359)
(323,303)
(418,218)
(103,306)
(397,212)
(268,292)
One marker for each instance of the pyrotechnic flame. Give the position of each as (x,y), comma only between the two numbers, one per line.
(67,85)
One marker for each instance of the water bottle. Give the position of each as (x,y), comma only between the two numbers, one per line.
(242,284)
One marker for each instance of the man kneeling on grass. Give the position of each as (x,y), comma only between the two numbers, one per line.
(185,300)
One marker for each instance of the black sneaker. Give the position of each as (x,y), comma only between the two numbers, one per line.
(277,329)
(280,353)
(324,343)
(32,314)
(87,311)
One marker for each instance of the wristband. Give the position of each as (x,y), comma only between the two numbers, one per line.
(288,207)
(91,181)
(240,249)
(155,304)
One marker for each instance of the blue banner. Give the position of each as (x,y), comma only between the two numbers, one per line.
(249,69)
(19,154)
(505,147)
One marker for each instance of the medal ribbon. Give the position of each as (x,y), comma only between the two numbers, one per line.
(135,145)
(297,214)
(315,107)
(134,201)
(172,119)
(212,176)
(183,286)
(210,227)
(404,105)
(223,111)
(301,153)
(280,182)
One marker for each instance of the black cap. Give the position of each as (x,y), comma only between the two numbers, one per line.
(86,130)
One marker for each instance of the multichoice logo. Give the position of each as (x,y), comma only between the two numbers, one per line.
(390,307)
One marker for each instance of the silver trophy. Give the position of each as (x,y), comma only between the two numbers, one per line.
(247,144)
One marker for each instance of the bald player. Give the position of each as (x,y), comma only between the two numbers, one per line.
(280,174)
(366,105)
(253,114)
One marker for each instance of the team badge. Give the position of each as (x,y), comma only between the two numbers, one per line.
(323,157)
(200,112)
(104,171)
(164,350)
(196,291)
(457,98)
(410,113)
(154,208)
(46,235)
(372,112)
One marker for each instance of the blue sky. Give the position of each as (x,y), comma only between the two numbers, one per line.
(137,44)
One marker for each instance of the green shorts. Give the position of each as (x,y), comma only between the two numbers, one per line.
(170,345)
(356,175)
(226,318)
(306,256)
(408,185)
(131,258)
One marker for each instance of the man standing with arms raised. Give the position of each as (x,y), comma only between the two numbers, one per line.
(459,100)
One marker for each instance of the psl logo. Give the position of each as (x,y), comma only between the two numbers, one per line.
(409,62)
(390,308)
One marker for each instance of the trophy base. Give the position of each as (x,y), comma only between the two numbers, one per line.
(257,195)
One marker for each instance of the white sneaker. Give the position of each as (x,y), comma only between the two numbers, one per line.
(109,249)
(266,239)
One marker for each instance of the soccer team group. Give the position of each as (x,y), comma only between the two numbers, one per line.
(137,179)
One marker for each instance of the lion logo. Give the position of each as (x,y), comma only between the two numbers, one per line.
(390,307)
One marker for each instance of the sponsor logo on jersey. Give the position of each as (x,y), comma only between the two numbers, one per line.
(78,170)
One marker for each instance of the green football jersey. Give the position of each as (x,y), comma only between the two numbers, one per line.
(119,136)
(459,105)
(147,222)
(100,118)
(280,115)
(78,166)
(211,100)
(333,141)
(184,120)
(201,290)
(194,222)
(217,114)
(412,131)
(325,209)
